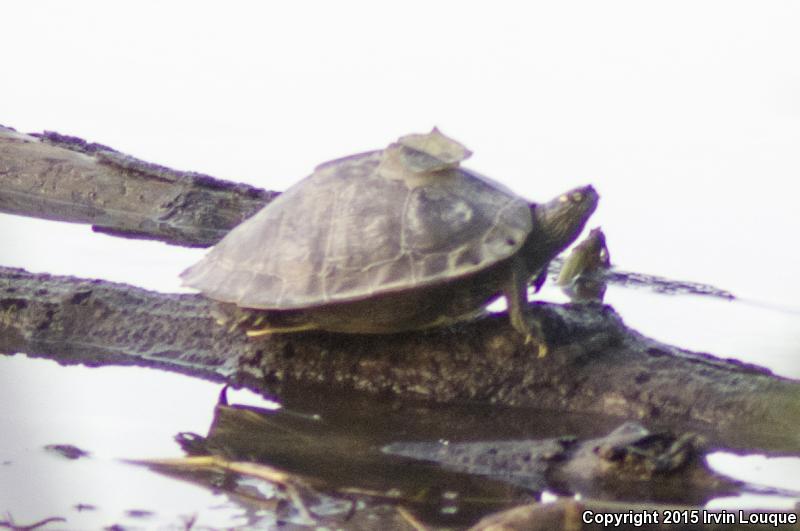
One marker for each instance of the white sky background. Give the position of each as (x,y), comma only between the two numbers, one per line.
(684,115)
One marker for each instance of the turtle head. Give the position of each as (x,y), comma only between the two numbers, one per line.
(561,220)
(595,244)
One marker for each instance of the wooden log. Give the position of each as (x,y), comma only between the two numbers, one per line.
(596,364)
(64,178)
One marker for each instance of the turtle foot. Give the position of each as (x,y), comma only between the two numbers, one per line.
(541,348)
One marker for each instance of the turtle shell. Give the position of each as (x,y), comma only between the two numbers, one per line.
(362,226)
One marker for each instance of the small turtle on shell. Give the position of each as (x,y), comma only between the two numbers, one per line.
(583,275)
(387,241)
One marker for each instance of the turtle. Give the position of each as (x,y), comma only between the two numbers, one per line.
(389,241)
(583,275)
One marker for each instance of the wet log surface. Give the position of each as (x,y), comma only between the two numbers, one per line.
(596,364)
(65,178)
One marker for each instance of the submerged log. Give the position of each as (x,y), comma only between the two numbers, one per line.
(64,178)
(596,363)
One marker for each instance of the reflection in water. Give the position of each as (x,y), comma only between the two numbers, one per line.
(725,328)
(324,469)
(330,471)
(779,476)
(111,413)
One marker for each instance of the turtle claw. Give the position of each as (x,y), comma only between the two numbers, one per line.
(529,339)
(541,348)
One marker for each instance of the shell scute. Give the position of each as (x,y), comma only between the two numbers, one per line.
(351,231)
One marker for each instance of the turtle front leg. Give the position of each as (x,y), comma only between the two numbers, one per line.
(516,294)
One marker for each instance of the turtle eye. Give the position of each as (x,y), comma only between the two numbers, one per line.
(563,199)
(577,197)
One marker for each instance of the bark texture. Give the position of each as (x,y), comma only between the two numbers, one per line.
(64,178)
(596,364)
